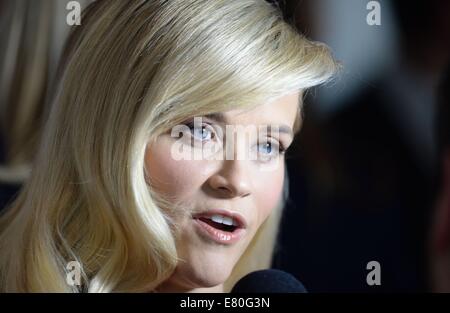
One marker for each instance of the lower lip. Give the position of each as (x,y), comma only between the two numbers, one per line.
(218,235)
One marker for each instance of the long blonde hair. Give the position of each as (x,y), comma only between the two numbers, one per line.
(134,70)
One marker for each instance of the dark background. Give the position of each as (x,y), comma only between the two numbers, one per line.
(362,172)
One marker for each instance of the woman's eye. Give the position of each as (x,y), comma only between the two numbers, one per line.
(203,133)
(266,147)
(270,149)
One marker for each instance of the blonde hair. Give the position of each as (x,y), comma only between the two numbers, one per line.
(134,70)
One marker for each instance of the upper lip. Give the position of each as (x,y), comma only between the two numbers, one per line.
(239,218)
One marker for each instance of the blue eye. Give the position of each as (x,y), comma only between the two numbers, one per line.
(270,149)
(266,147)
(202,133)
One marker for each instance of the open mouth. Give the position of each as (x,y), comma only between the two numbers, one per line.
(221,227)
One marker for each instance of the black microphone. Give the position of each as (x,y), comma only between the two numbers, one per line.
(268,281)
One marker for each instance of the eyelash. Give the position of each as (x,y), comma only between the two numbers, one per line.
(281,149)
(192,126)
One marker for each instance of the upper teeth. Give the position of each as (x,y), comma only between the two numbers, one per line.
(223,220)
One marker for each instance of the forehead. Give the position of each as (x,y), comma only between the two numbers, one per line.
(281,111)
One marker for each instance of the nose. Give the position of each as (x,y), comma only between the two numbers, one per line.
(232,180)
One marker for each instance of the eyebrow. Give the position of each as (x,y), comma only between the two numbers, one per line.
(220,117)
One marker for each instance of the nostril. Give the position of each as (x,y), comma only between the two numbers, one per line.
(225,192)
(229,187)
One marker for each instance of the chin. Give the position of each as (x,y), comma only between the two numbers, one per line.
(213,278)
(209,274)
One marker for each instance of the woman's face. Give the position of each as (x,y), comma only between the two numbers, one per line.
(222,187)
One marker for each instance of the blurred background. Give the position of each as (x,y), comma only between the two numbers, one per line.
(362,173)
(32,36)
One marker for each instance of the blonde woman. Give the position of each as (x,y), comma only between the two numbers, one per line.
(108,190)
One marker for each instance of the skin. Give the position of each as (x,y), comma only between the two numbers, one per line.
(237,185)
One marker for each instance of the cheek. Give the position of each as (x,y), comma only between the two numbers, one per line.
(269,190)
(175,178)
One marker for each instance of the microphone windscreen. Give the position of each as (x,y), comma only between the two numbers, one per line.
(268,281)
